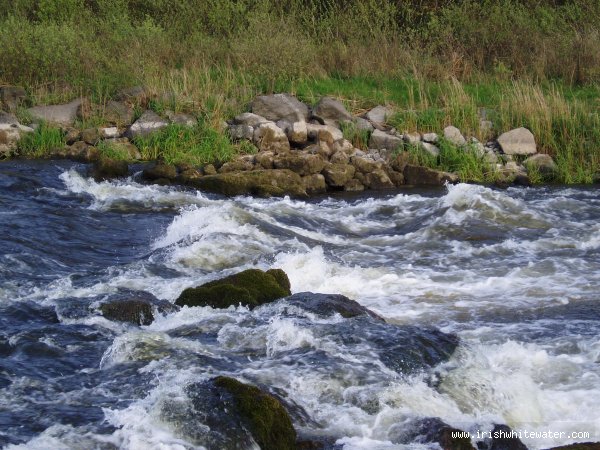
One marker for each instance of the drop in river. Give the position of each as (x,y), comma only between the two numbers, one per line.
(513,274)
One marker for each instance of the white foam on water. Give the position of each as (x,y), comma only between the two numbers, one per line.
(106,194)
(424,274)
(528,388)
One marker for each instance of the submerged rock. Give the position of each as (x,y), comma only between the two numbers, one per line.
(431,430)
(250,288)
(419,175)
(329,304)
(502,438)
(224,413)
(262,183)
(136,308)
(160,171)
(404,349)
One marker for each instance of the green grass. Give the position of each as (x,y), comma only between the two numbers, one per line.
(178,144)
(112,151)
(359,138)
(41,142)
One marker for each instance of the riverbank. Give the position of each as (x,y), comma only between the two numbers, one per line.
(454,136)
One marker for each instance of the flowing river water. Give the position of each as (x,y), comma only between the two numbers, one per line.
(514,274)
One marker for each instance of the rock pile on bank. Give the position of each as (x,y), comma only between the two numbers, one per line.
(300,149)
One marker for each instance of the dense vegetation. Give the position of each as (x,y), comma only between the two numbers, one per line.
(529,62)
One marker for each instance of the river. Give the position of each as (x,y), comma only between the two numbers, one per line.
(515,274)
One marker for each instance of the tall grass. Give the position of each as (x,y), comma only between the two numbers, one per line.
(100,45)
(41,142)
(178,144)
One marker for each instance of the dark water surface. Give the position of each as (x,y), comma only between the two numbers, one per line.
(515,274)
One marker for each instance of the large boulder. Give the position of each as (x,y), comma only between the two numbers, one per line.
(224,413)
(382,140)
(379,115)
(419,175)
(519,141)
(262,183)
(454,136)
(65,114)
(148,123)
(280,107)
(379,179)
(301,163)
(250,288)
(268,137)
(337,175)
(137,308)
(330,110)
(324,133)
(314,184)
(11,97)
(365,165)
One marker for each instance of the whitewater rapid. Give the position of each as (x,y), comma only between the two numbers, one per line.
(513,273)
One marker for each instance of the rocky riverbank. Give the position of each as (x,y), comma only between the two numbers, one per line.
(292,148)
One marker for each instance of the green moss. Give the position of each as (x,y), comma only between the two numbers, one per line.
(266,418)
(263,183)
(281,278)
(250,288)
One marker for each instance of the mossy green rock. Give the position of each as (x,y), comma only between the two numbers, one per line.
(264,416)
(261,183)
(250,288)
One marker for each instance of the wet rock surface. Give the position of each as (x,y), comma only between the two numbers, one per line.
(224,413)
(250,288)
(137,308)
